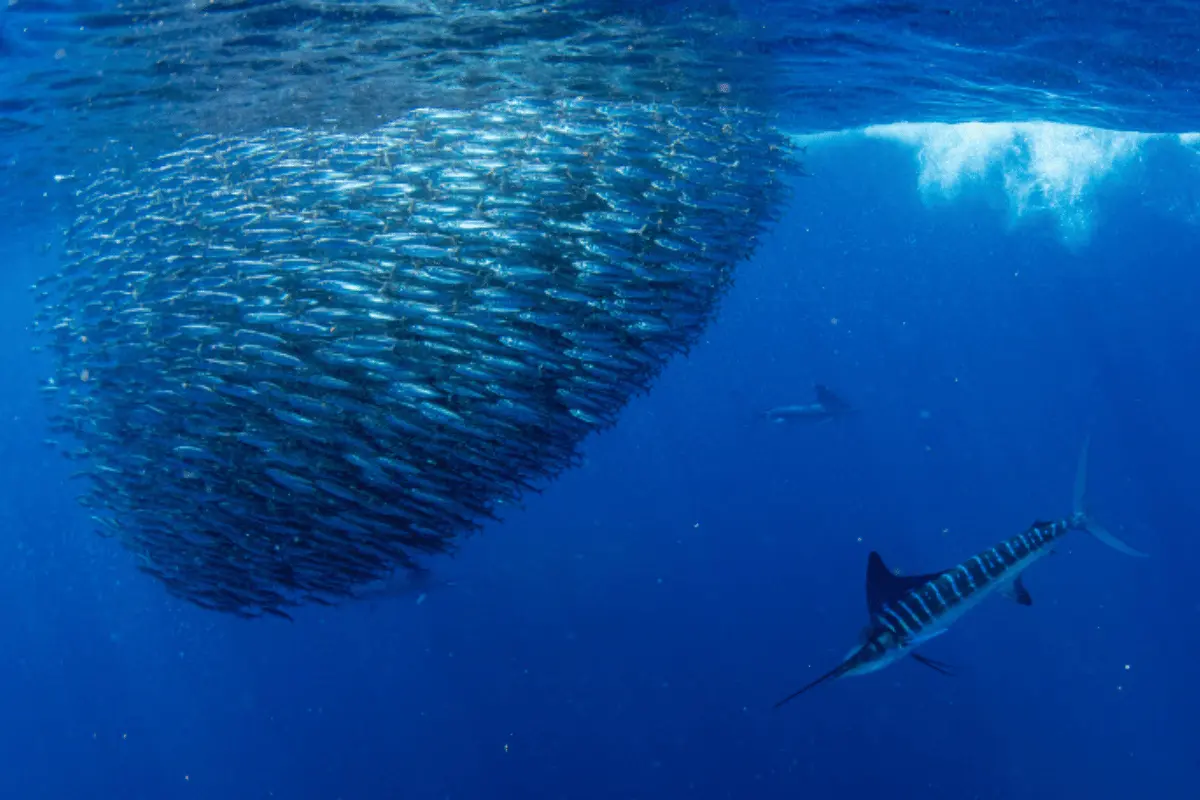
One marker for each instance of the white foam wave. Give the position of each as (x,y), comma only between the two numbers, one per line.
(1044,167)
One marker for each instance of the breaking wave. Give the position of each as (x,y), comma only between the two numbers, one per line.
(1041,170)
(1042,167)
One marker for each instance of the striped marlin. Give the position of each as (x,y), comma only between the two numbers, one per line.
(908,611)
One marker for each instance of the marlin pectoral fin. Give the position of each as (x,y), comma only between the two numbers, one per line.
(1017,592)
(936,666)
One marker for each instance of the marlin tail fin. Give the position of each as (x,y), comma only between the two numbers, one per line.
(1079,508)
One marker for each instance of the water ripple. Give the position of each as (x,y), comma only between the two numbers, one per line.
(75,74)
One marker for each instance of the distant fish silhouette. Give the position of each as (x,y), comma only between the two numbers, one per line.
(828,407)
(416,582)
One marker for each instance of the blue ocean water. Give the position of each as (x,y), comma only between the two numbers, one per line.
(986,296)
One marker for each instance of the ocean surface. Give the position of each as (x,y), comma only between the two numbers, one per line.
(990,254)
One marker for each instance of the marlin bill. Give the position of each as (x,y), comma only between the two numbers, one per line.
(908,611)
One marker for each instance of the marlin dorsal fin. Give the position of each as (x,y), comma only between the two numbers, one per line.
(828,399)
(884,586)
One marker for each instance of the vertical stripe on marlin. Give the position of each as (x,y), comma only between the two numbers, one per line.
(929,600)
(975,567)
(949,582)
(913,605)
(900,610)
(1003,560)
(894,622)
(963,582)
(935,588)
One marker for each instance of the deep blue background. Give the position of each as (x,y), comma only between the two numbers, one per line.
(625,635)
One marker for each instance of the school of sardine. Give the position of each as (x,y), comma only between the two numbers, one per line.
(290,364)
